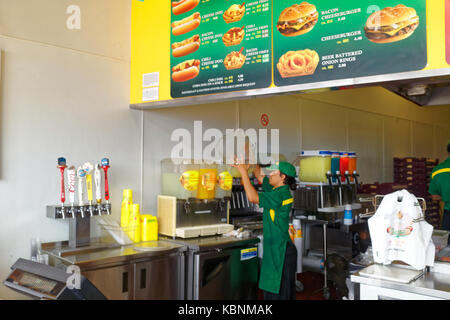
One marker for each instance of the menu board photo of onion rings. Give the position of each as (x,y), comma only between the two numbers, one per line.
(298,63)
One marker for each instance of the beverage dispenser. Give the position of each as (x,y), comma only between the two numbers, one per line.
(180,178)
(316,191)
(326,183)
(224,182)
(194,200)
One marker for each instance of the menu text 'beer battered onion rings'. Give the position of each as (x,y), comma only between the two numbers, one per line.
(298,63)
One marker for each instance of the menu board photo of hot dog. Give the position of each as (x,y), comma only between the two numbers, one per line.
(220,46)
(325,40)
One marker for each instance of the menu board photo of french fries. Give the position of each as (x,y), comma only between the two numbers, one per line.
(220,46)
(325,40)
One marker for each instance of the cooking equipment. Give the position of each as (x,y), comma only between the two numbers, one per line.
(243,213)
(44,282)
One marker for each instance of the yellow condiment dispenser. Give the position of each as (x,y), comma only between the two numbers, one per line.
(134,224)
(125,211)
(149,227)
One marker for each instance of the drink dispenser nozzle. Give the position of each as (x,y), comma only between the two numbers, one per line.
(347,177)
(329,176)
(355,176)
(338,178)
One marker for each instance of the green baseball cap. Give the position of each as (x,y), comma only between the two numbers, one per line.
(284,167)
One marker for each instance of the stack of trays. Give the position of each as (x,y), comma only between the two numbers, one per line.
(381,188)
(415,174)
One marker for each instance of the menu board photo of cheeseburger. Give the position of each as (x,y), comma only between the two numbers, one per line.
(323,40)
(220,46)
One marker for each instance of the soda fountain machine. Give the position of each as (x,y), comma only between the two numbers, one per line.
(328,186)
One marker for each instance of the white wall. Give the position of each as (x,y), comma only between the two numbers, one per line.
(373,122)
(63,93)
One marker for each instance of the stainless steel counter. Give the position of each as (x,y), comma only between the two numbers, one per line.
(140,271)
(431,284)
(104,255)
(203,243)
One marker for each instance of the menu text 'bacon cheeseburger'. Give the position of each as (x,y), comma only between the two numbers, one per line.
(391,24)
(297,19)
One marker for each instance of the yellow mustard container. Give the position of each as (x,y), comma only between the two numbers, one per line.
(149,227)
(125,211)
(134,224)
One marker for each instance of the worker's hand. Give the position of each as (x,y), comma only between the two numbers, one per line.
(241,166)
(258,173)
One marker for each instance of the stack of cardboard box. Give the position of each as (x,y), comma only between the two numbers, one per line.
(415,173)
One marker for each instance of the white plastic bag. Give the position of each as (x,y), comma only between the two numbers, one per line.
(399,232)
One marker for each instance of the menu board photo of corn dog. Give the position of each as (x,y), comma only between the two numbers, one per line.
(220,46)
(327,40)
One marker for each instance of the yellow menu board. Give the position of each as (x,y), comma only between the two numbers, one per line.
(153,62)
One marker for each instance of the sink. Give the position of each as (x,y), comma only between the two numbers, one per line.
(62,249)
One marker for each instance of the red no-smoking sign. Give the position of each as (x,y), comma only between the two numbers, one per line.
(265,120)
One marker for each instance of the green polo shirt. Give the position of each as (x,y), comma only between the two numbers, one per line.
(440,182)
(277,205)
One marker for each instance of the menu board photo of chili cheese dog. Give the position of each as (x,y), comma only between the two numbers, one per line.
(186,70)
(186,25)
(185,47)
(183,6)
(391,24)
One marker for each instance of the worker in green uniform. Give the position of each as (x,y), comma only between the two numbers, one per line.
(440,188)
(278,269)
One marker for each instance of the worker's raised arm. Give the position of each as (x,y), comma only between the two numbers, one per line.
(250,190)
(258,174)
